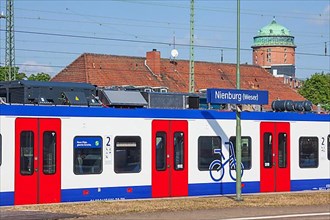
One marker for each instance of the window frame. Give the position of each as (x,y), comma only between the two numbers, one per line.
(83,150)
(249,141)
(328,148)
(127,139)
(0,149)
(215,156)
(315,140)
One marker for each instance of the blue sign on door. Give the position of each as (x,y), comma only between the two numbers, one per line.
(235,96)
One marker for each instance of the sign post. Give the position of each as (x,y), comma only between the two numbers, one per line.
(238,97)
(238,112)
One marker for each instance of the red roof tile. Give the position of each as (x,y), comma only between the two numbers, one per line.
(112,70)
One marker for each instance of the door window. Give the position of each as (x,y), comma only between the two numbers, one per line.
(160,151)
(282,150)
(268,150)
(49,152)
(178,151)
(26,152)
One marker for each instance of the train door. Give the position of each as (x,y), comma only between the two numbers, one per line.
(169,158)
(274,156)
(37,161)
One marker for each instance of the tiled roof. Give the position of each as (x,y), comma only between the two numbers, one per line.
(112,70)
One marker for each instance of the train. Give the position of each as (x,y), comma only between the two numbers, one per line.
(69,153)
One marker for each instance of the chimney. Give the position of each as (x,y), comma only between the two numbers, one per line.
(153,61)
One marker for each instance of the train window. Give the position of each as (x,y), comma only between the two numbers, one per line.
(282,150)
(87,155)
(246,151)
(49,152)
(268,150)
(206,146)
(127,156)
(328,146)
(26,152)
(308,152)
(0,149)
(161,151)
(178,151)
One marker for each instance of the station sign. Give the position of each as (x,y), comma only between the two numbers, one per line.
(237,96)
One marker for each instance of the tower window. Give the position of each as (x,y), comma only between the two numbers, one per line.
(269,57)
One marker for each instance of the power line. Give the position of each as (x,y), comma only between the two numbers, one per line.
(145,41)
(152,22)
(232,10)
(167,25)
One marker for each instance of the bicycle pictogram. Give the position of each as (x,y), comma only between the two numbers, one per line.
(217,168)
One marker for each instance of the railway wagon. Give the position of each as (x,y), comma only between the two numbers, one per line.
(53,154)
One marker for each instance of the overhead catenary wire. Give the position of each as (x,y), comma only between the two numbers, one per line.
(144,41)
(93,19)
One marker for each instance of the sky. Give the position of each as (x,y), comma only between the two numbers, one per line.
(51,34)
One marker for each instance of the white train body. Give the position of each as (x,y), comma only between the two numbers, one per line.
(63,154)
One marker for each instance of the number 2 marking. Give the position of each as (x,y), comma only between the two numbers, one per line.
(108,142)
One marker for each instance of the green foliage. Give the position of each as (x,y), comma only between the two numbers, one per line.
(22,76)
(5,76)
(317,89)
(39,77)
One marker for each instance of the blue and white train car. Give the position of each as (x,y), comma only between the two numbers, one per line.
(52,154)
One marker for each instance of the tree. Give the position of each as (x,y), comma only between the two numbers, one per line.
(4,74)
(39,77)
(317,90)
(22,76)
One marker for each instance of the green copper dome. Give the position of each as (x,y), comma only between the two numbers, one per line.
(274,34)
(274,29)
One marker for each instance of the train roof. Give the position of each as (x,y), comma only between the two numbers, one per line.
(30,83)
(24,92)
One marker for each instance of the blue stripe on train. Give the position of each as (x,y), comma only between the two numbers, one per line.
(313,184)
(201,189)
(108,193)
(254,187)
(6,198)
(140,192)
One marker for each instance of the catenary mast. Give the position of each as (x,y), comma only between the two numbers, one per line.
(10,42)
